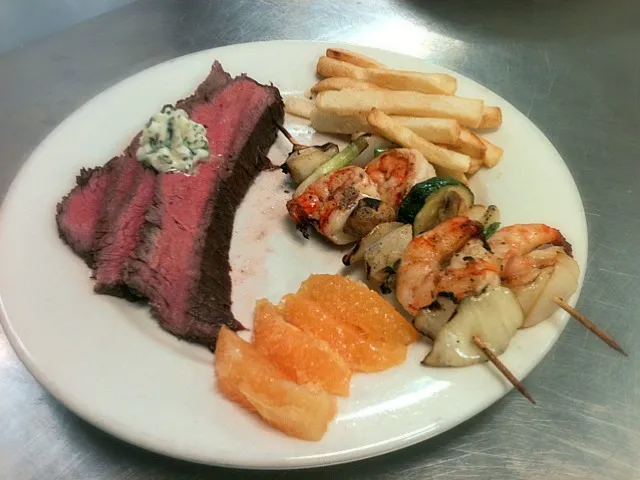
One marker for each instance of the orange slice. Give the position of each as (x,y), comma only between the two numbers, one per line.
(250,379)
(360,353)
(355,303)
(302,357)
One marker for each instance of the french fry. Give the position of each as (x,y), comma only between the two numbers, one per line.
(388,128)
(446,172)
(475,165)
(343,83)
(326,122)
(298,106)
(491,118)
(468,143)
(436,130)
(467,111)
(413,81)
(329,67)
(439,83)
(353,58)
(493,153)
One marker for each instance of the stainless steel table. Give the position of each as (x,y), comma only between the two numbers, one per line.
(573,67)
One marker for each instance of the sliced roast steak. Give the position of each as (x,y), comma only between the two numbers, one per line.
(78,213)
(121,239)
(182,262)
(166,237)
(130,195)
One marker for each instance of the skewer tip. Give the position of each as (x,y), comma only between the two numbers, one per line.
(589,325)
(503,369)
(289,137)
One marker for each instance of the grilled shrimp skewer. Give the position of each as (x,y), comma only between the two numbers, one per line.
(328,203)
(518,249)
(422,276)
(541,277)
(396,171)
(451,260)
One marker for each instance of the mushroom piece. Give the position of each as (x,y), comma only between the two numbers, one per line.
(430,320)
(382,257)
(357,252)
(369,213)
(494,316)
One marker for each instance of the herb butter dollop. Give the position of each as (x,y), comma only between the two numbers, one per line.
(171,142)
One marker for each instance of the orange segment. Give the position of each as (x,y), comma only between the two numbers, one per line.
(247,377)
(355,303)
(302,357)
(360,353)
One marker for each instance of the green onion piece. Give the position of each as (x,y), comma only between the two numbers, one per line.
(379,151)
(340,160)
(490,229)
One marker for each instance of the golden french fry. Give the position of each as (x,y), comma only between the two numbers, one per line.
(475,165)
(329,67)
(439,83)
(343,83)
(298,106)
(467,111)
(353,58)
(413,81)
(446,172)
(388,128)
(491,118)
(436,130)
(493,153)
(468,143)
(326,122)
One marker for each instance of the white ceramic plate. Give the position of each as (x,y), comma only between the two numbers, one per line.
(108,361)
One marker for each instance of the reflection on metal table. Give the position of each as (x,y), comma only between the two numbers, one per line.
(572,67)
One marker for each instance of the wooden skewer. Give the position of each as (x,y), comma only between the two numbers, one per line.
(604,336)
(288,136)
(503,368)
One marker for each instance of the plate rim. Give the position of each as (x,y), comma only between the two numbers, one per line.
(298,462)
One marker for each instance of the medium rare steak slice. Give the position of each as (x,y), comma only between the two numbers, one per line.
(122,179)
(130,195)
(122,237)
(182,264)
(77,214)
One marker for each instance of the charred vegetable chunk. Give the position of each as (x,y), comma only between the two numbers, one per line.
(434,201)
(338,161)
(302,162)
(369,213)
(357,253)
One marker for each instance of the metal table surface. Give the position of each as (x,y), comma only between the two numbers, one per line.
(573,67)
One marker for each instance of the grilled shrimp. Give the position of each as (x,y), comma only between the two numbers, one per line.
(396,171)
(329,201)
(518,249)
(423,273)
(471,269)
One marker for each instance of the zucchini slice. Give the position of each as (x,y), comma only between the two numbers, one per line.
(434,201)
